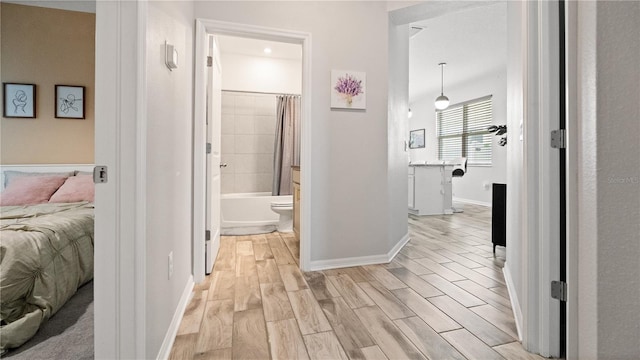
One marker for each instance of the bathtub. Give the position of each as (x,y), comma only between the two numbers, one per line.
(248,213)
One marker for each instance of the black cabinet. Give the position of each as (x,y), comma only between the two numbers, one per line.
(499,215)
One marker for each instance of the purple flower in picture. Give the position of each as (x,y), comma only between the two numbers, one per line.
(349,86)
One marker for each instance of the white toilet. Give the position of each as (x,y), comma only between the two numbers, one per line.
(284,207)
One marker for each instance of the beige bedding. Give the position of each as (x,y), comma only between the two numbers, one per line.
(46,253)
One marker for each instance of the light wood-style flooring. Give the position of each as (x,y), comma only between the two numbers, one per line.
(442,297)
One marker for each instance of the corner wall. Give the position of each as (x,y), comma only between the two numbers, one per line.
(48,47)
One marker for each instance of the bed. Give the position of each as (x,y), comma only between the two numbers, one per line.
(46,244)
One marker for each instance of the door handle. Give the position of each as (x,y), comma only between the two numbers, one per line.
(223,165)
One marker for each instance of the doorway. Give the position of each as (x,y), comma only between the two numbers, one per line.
(253,138)
(205,29)
(532,112)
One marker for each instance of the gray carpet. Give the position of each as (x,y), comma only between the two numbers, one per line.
(67,335)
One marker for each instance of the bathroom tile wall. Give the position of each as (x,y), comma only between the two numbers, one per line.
(248,136)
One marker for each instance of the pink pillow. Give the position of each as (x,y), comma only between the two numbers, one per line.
(29,190)
(76,188)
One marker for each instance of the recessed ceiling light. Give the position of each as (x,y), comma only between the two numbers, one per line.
(267,50)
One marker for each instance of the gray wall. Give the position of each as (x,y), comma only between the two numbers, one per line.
(169,158)
(618,178)
(349,148)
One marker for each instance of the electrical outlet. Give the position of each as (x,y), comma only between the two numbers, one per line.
(170,265)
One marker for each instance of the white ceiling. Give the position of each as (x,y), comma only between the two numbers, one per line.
(254,47)
(471,42)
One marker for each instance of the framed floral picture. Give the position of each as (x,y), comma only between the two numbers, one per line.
(19,100)
(348,89)
(416,139)
(69,102)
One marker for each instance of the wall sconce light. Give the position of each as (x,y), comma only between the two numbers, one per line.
(410,114)
(170,56)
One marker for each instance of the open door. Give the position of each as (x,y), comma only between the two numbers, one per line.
(213,163)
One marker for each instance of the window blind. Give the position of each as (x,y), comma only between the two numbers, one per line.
(462,132)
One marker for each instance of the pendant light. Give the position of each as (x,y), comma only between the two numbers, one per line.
(442,102)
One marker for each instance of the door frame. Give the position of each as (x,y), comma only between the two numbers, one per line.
(536,318)
(120,211)
(203,28)
(541,177)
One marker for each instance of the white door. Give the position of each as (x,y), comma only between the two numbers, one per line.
(213,163)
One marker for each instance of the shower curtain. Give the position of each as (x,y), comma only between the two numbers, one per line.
(287,143)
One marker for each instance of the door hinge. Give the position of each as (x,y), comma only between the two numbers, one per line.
(207,234)
(559,290)
(208,148)
(558,139)
(100,175)
(209,61)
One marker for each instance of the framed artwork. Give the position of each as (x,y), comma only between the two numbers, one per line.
(416,139)
(69,102)
(19,100)
(348,90)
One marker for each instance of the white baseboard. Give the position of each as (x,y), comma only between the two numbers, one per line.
(513,296)
(169,338)
(360,260)
(394,251)
(473,202)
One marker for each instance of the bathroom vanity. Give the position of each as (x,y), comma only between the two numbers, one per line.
(430,189)
(295,175)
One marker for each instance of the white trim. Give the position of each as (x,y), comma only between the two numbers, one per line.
(396,249)
(140,246)
(306,168)
(203,28)
(119,284)
(106,266)
(172,331)
(317,265)
(360,260)
(513,297)
(541,240)
(473,202)
(198,212)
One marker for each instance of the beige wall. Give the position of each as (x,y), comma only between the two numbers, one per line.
(47,47)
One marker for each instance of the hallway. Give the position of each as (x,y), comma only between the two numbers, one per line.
(443,296)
